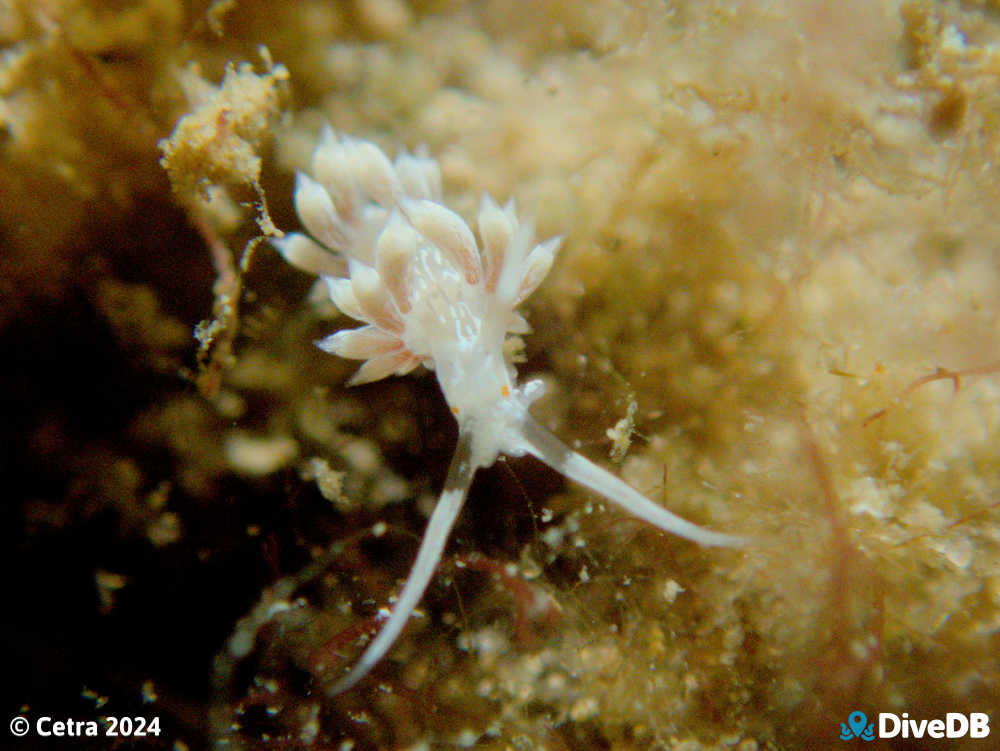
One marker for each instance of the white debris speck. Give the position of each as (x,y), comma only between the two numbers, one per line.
(258,456)
(671,589)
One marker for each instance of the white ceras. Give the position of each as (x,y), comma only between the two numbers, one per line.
(429,295)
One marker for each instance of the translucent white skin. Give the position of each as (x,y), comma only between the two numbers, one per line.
(428,295)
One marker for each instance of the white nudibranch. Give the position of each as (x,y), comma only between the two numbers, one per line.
(396,259)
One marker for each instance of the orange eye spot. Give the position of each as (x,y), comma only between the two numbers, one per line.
(505,391)
(454,410)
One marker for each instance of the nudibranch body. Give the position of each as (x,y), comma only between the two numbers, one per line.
(396,259)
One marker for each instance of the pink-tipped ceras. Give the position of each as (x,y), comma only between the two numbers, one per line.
(428,294)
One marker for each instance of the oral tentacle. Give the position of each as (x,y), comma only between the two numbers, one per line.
(456,488)
(547,447)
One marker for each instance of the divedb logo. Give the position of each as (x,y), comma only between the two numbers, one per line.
(954,725)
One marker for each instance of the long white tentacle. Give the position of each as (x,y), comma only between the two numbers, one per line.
(560,457)
(456,487)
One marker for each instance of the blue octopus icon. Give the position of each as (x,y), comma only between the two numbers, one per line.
(857,726)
